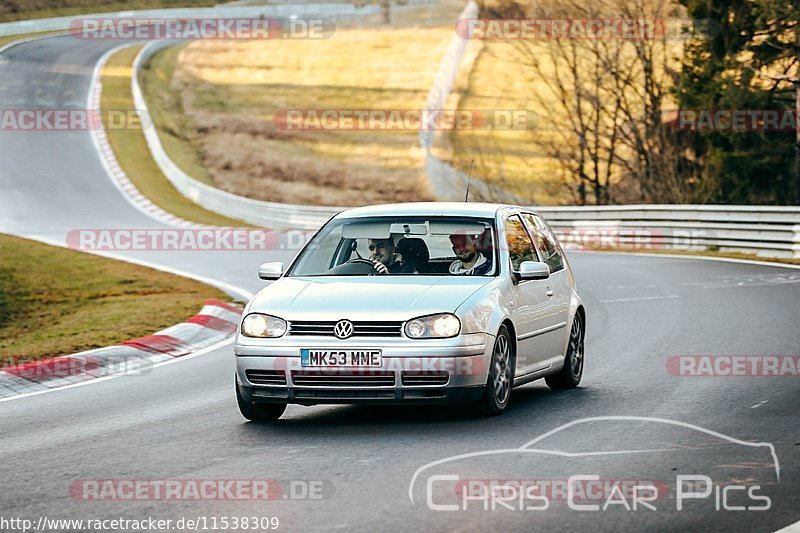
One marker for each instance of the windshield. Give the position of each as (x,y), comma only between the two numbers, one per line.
(400,246)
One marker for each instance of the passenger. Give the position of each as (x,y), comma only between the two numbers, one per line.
(382,253)
(471,261)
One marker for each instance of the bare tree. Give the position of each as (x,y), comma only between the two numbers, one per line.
(604,102)
(580,124)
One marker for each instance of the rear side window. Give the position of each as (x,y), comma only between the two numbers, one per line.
(519,243)
(546,243)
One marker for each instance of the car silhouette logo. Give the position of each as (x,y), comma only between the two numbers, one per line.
(343,329)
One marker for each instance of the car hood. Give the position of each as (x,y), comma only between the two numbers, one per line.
(364,298)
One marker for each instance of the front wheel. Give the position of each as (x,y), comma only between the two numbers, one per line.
(570,375)
(497,390)
(259,412)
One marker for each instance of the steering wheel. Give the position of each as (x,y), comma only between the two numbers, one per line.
(354,267)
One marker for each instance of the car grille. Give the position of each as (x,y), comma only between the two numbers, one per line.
(380,378)
(412,378)
(266,377)
(356,394)
(360,329)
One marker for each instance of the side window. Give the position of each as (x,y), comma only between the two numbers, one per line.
(519,243)
(546,243)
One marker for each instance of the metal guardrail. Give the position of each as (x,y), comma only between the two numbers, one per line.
(764,230)
(257,212)
(261,213)
(340,11)
(332,10)
(446,182)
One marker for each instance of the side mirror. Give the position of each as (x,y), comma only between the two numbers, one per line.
(534,270)
(270,271)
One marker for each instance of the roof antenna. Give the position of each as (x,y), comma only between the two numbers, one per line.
(469,180)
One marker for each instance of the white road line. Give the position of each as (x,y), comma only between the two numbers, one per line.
(107,157)
(791,528)
(759,404)
(640,298)
(227,287)
(745,284)
(29,39)
(701,258)
(205,350)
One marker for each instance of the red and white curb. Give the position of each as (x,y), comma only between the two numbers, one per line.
(109,159)
(212,327)
(216,322)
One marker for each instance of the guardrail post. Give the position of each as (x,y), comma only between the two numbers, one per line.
(796,245)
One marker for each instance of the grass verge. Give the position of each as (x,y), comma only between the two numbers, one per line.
(55,301)
(5,39)
(509,159)
(131,149)
(214,102)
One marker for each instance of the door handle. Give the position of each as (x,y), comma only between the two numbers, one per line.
(549,292)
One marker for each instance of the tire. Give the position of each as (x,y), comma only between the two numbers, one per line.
(497,391)
(259,412)
(570,375)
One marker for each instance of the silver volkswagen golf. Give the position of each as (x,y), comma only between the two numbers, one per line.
(413,303)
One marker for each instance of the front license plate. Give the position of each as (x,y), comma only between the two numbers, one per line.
(338,358)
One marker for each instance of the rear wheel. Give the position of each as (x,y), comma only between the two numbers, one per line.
(259,412)
(570,375)
(497,390)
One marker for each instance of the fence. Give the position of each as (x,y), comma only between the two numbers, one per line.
(446,182)
(332,11)
(766,231)
(261,213)
(762,230)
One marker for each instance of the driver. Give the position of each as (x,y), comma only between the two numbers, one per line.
(470,260)
(382,254)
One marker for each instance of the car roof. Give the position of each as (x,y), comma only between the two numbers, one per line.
(471,209)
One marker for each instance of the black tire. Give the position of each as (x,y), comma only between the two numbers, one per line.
(259,412)
(497,391)
(570,375)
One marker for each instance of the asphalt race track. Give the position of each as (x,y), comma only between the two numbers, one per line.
(180,421)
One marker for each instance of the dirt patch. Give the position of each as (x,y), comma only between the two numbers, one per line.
(228,93)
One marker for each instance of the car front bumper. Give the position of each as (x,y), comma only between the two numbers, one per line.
(451,371)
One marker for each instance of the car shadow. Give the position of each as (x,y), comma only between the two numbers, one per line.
(527,402)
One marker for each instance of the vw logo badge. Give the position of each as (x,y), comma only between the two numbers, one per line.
(343,329)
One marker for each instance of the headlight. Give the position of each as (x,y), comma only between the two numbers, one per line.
(258,325)
(434,326)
